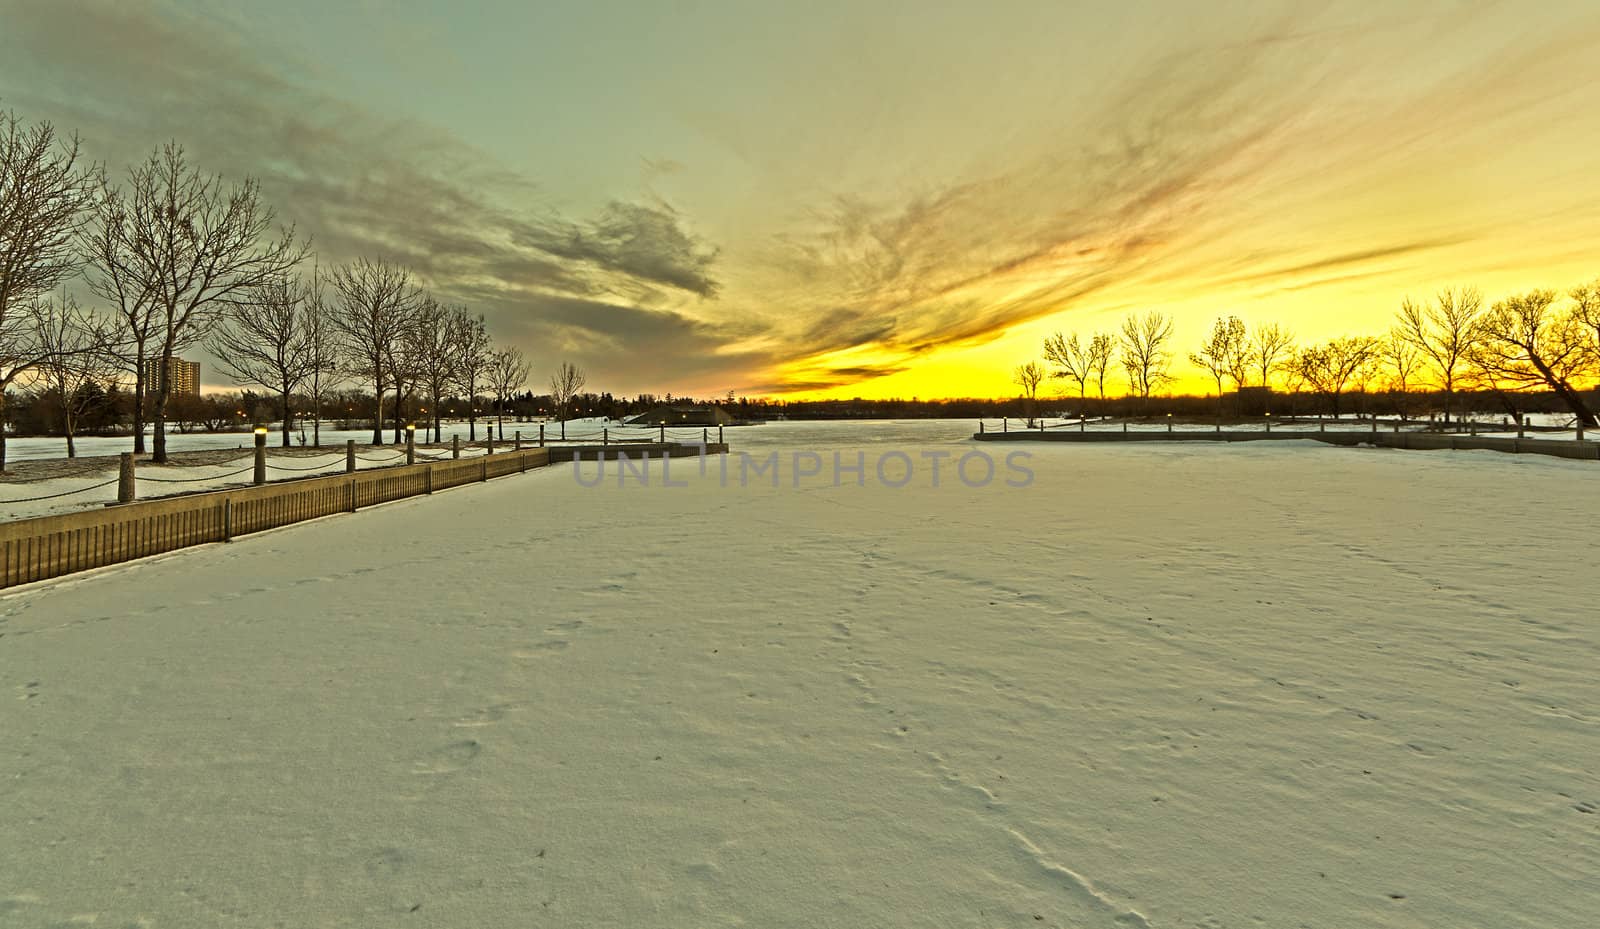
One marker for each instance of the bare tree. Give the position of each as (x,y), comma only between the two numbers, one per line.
(77,359)
(261,341)
(107,253)
(1328,368)
(376,304)
(472,362)
(564,387)
(1443,333)
(1072,360)
(508,373)
(1586,311)
(437,338)
(196,247)
(1100,349)
(1223,354)
(1028,377)
(1522,341)
(1268,347)
(1399,358)
(1143,351)
(45,195)
(320,337)
(406,365)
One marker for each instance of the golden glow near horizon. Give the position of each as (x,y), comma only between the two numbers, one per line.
(872,200)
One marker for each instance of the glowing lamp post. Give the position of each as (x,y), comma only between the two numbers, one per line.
(411,443)
(261,455)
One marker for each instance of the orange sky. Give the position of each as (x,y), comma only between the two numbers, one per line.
(888,199)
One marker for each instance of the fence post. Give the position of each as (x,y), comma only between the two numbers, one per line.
(125,486)
(605,435)
(1580,430)
(1522,424)
(1081,421)
(980,427)
(1472,428)
(227,519)
(455,445)
(411,443)
(663,433)
(352,495)
(1004,427)
(1321,426)
(1374,425)
(719,433)
(541,435)
(1125,427)
(261,455)
(427,478)
(488,441)
(516,440)
(349,456)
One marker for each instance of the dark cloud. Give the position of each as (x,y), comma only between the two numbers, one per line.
(647,242)
(128,77)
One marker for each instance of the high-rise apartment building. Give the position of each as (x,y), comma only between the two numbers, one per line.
(182,376)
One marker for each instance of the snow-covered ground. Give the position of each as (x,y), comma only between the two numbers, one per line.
(1263,685)
(31,448)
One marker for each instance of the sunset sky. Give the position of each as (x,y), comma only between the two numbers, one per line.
(866,198)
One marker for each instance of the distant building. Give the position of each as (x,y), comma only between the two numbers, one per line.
(183,377)
(684,416)
(1253,401)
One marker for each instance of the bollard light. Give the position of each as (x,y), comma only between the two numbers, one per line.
(260,475)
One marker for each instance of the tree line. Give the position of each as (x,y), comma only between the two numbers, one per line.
(180,258)
(1540,340)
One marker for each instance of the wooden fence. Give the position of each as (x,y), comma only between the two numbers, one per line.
(44,547)
(49,546)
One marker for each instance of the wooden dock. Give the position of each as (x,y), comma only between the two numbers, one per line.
(1417,441)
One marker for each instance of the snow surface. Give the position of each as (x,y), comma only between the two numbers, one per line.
(1260,685)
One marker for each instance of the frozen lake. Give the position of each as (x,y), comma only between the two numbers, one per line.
(1260,685)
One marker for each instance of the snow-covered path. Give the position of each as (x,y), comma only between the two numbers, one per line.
(1170,686)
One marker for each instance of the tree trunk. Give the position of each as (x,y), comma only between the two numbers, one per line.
(377,412)
(159,415)
(159,449)
(139,387)
(1576,404)
(284,397)
(2,429)
(72,448)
